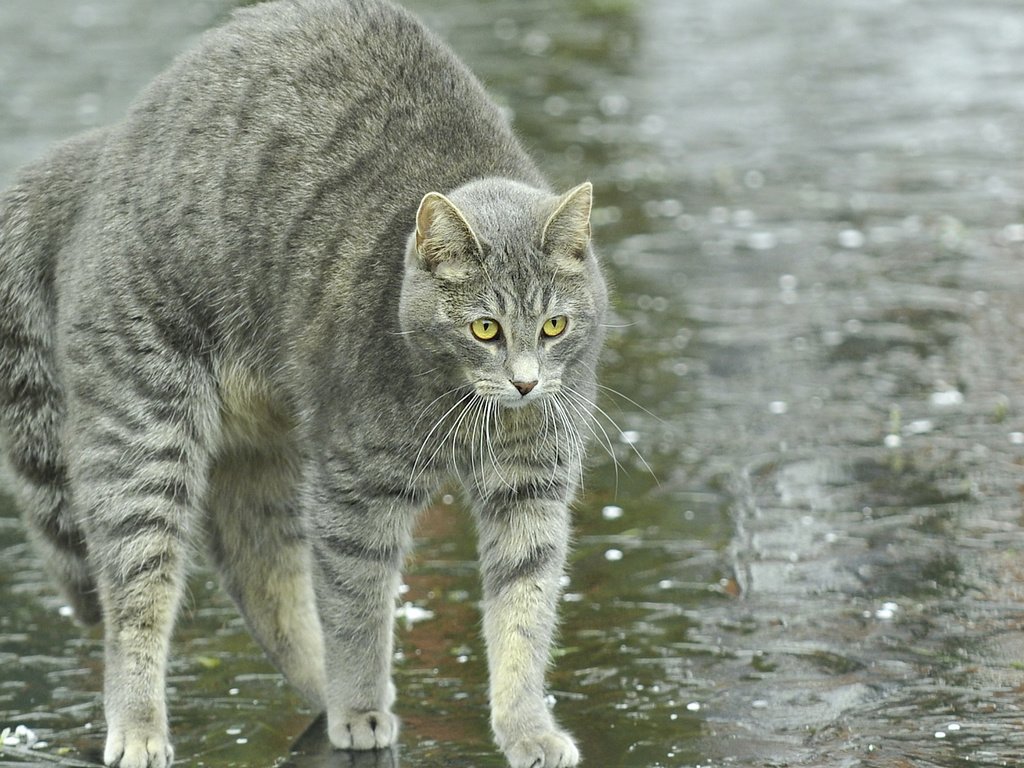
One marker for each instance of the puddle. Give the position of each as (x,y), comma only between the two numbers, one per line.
(813,215)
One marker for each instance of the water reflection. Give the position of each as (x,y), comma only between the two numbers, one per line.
(313,750)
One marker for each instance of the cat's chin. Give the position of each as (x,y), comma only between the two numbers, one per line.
(518,403)
(522,402)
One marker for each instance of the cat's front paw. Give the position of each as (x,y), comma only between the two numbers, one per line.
(375,729)
(550,749)
(135,748)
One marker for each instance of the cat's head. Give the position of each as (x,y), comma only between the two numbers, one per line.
(502,292)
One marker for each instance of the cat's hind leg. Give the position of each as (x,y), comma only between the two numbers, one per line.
(141,421)
(258,543)
(256,536)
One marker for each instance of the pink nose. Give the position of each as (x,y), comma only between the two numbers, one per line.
(524,387)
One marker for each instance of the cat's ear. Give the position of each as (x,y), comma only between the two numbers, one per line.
(443,235)
(567,231)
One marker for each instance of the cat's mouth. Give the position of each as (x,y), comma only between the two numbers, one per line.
(511,394)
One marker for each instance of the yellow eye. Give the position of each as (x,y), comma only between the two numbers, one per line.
(555,326)
(485,329)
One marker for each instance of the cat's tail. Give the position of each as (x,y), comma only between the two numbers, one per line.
(37,215)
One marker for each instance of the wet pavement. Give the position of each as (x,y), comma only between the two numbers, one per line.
(813,214)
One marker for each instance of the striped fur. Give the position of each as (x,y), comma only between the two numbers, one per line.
(223,328)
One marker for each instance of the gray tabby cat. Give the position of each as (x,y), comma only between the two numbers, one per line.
(310,277)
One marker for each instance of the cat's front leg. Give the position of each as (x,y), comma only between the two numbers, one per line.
(523,545)
(358,550)
(356,588)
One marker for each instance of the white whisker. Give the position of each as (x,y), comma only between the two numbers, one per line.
(491,410)
(427,407)
(555,417)
(454,431)
(426,440)
(632,402)
(451,433)
(588,403)
(475,446)
(593,426)
(574,441)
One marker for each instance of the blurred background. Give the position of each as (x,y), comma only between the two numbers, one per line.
(813,215)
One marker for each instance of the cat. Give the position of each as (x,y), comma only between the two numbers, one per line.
(309,278)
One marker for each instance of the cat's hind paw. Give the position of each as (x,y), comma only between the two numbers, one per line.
(376,729)
(553,749)
(137,750)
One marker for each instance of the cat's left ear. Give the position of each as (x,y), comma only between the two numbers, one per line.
(567,231)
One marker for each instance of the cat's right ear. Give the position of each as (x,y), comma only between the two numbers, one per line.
(444,239)
(567,230)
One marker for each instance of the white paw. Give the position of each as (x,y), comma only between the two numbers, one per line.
(137,749)
(552,749)
(375,729)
